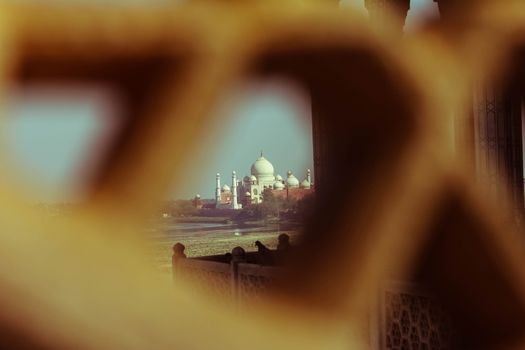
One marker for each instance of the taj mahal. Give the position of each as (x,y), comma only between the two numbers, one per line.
(250,190)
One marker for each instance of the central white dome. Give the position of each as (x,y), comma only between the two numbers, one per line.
(262,167)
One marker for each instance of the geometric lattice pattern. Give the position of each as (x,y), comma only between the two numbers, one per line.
(415,321)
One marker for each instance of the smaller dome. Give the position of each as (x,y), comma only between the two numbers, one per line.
(279,178)
(292,181)
(253,178)
(225,188)
(278,185)
(305,184)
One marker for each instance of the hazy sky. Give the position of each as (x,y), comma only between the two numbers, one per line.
(51,136)
(419,10)
(271,116)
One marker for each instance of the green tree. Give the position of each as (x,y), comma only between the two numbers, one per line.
(271,205)
(180,207)
(249,212)
(305,207)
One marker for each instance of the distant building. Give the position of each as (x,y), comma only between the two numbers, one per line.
(226,197)
(197,202)
(250,190)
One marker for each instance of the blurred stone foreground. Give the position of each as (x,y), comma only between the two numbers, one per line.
(419,247)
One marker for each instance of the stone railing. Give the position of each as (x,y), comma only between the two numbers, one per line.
(237,275)
(407,315)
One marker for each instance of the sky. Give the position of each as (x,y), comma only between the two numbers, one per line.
(270,116)
(419,11)
(52,134)
(52,131)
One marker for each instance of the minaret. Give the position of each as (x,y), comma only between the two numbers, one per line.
(218,190)
(234,191)
(308,176)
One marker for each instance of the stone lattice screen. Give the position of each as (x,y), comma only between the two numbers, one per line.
(413,319)
(386,105)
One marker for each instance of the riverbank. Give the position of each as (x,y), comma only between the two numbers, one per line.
(226,220)
(198,219)
(207,238)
